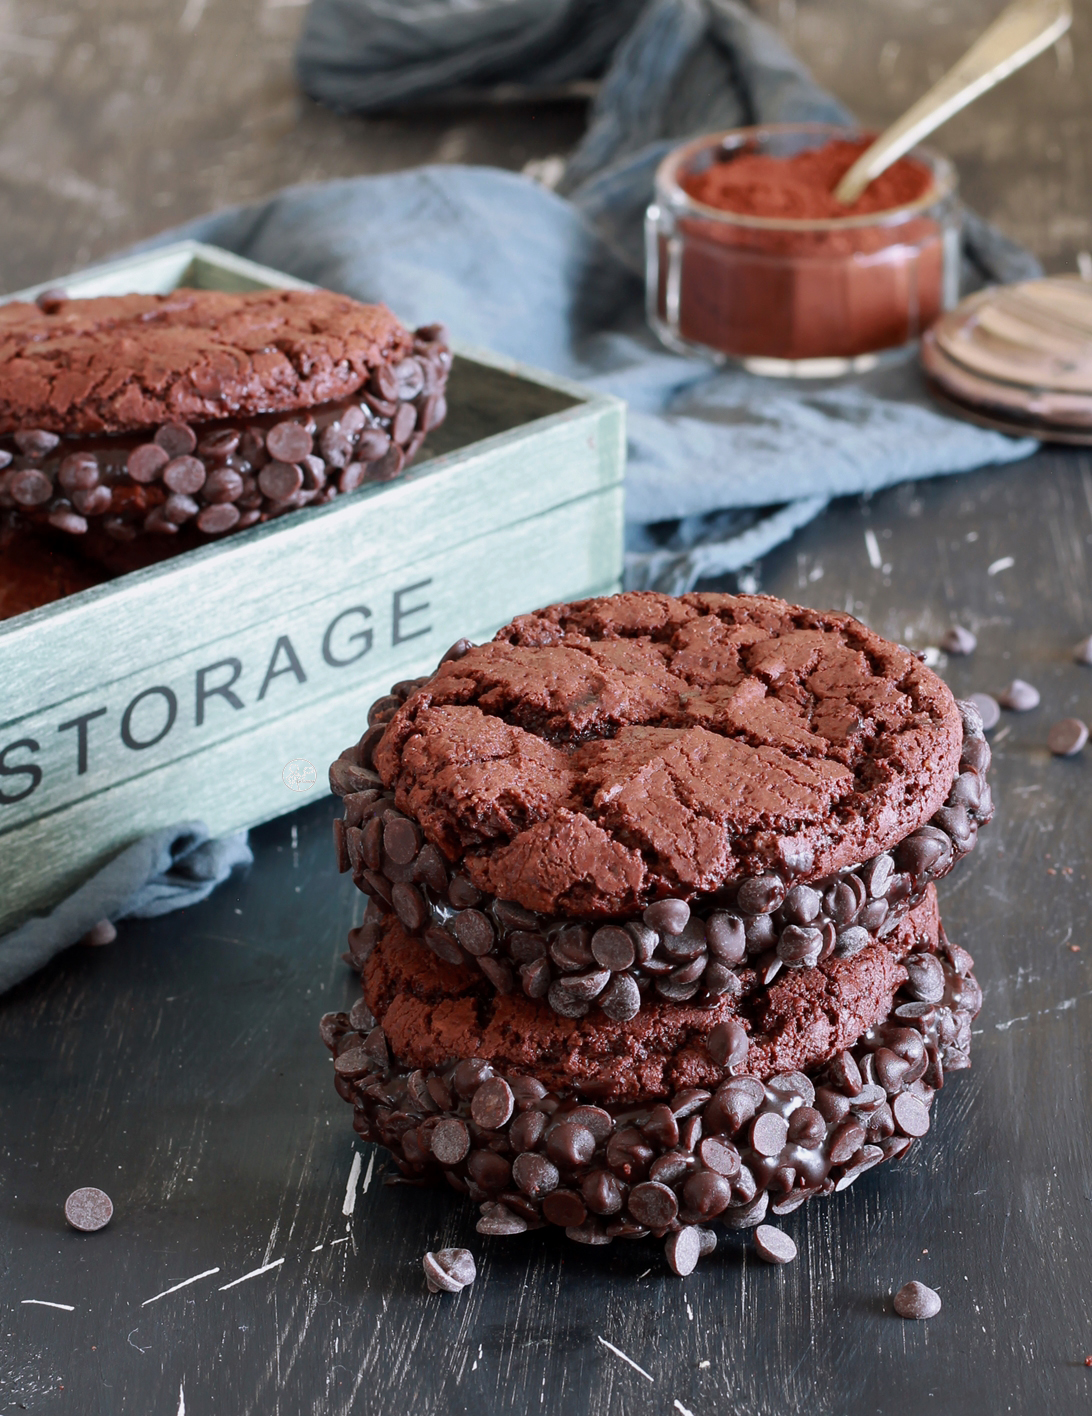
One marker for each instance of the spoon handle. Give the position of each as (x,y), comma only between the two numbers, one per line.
(1019,33)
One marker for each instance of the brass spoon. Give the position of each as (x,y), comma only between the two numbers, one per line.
(1019,33)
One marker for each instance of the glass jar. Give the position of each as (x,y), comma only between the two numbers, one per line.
(800,298)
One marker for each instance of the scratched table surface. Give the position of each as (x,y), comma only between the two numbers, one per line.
(257,1261)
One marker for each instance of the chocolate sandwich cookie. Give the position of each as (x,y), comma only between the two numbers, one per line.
(644,799)
(665,1124)
(142,425)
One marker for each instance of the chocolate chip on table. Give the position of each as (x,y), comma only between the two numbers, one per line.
(988,708)
(1019,697)
(499,1220)
(101,933)
(774,1245)
(683,1249)
(65,519)
(449,1270)
(915,1300)
(88,1209)
(652,1204)
(1067,737)
(534,1175)
(958,640)
(1082,652)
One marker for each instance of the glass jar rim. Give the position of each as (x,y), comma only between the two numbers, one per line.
(670,191)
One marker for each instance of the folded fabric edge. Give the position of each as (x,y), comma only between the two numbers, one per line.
(163,871)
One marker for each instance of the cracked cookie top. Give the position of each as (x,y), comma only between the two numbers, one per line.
(597,756)
(122,363)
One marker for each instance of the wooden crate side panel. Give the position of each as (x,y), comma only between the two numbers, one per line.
(228,768)
(147,617)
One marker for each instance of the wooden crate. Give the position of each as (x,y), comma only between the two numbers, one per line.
(219,685)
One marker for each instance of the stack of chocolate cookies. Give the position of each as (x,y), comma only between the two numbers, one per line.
(652,937)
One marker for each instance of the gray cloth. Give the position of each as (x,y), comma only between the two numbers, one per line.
(722,465)
(162,872)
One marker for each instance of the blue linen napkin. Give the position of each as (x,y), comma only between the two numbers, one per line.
(722,466)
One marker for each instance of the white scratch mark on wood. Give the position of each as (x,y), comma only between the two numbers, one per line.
(349,1203)
(254,1273)
(335,1242)
(368,1173)
(645,1274)
(1002,563)
(272,1241)
(872,546)
(690,1312)
(317,1248)
(184,1284)
(136,1345)
(181,1399)
(45,1303)
(619,1353)
(1063,1007)
(680,1407)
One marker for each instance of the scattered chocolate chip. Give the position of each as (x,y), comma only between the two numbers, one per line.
(184,474)
(88,1209)
(280,480)
(176,439)
(613,948)
(774,1245)
(989,710)
(1067,737)
(102,933)
(450,1141)
(146,462)
(653,1205)
(958,640)
(1019,697)
(728,1044)
(288,442)
(215,520)
(499,1220)
(30,487)
(535,1175)
(449,1270)
(668,916)
(621,999)
(914,1300)
(35,442)
(50,301)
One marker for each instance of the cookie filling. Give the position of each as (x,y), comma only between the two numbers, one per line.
(753,1141)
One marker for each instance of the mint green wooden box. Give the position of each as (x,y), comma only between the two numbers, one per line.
(219,685)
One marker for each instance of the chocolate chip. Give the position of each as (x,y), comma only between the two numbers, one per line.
(65,519)
(599,1122)
(851,941)
(373,444)
(223,485)
(768,1133)
(493,1104)
(925,981)
(774,1245)
(602,1193)
(409,906)
(683,1250)
(989,710)
(93,501)
(29,487)
(613,948)
(430,869)
(526,1130)
(442,945)
(280,480)
(50,301)
(667,916)
(401,840)
(79,472)
(535,979)
(499,972)
(473,931)
(88,1209)
(728,1044)
(449,1270)
(564,1208)
(719,1156)
(799,945)
(1067,737)
(176,439)
(726,937)
(570,1145)
(35,442)
(915,1300)
(462,894)
(450,1141)
(403,423)
(621,999)
(570,948)
(652,1204)
(583,987)
(1082,652)
(215,520)
(760,895)
(911,1114)
(535,1175)
(498,1220)
(958,640)
(351,477)
(387,467)
(801,905)
(707,1194)
(288,442)
(1020,697)
(99,934)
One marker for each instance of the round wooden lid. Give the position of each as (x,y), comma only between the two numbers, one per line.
(1021,353)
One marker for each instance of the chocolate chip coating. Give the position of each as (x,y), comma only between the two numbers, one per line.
(915,1300)
(88,1209)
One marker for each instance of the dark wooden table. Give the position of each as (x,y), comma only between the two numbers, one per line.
(180,1069)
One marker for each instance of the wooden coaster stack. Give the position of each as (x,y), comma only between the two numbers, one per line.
(1018,358)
